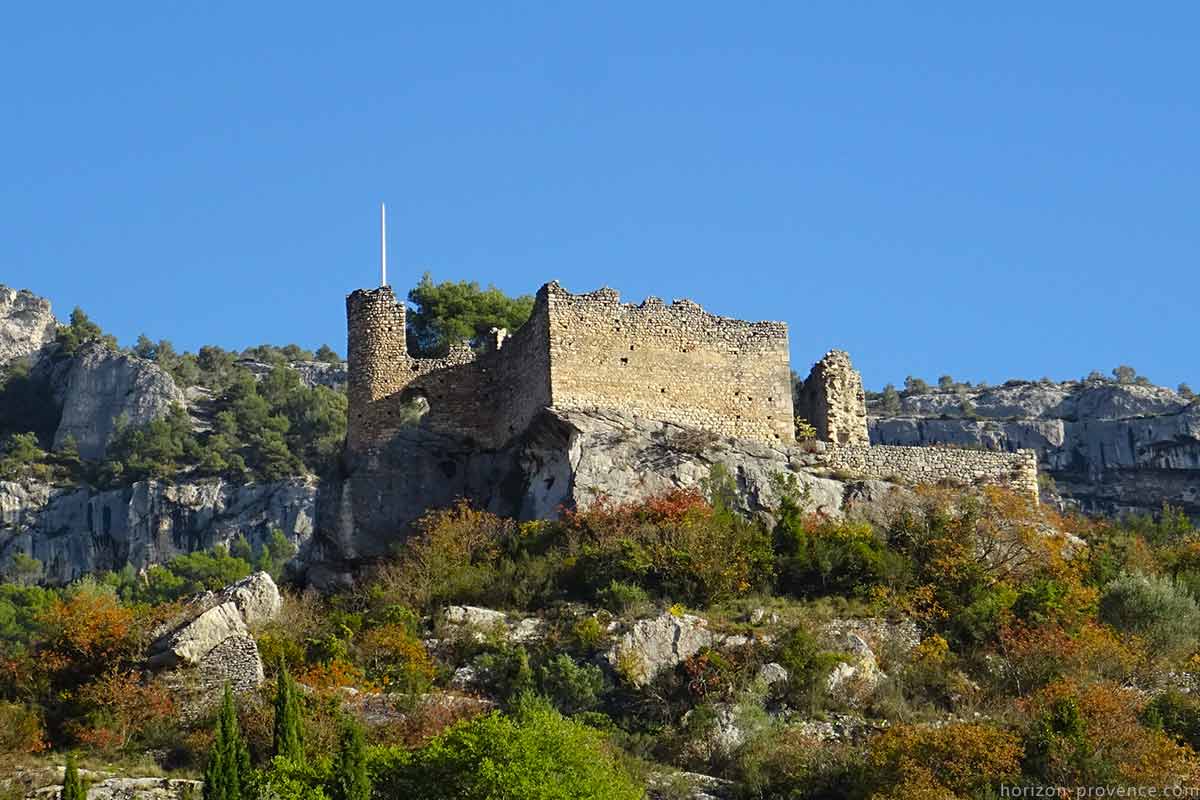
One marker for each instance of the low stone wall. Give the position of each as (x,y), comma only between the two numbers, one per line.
(931,465)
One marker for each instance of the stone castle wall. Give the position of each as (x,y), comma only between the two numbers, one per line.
(674,363)
(933,465)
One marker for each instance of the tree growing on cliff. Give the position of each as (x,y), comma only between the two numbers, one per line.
(1186,392)
(1125,374)
(80,330)
(890,400)
(449,312)
(229,762)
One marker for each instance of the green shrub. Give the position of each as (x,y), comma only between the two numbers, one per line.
(1177,714)
(536,754)
(622,598)
(1152,607)
(571,687)
(808,666)
(505,673)
(816,558)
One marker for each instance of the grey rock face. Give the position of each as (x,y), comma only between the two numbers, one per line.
(194,639)
(312,373)
(256,598)
(26,324)
(102,386)
(567,459)
(653,645)
(74,531)
(1109,447)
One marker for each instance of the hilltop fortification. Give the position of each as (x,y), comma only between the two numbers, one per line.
(673,363)
(593,398)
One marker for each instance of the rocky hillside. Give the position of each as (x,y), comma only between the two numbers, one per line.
(1109,447)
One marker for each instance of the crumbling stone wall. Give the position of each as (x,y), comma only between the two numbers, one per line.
(833,401)
(485,397)
(675,363)
(933,465)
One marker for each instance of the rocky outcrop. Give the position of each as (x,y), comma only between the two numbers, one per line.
(312,373)
(651,646)
(564,460)
(73,531)
(1109,447)
(26,325)
(102,386)
(195,638)
(212,635)
(45,783)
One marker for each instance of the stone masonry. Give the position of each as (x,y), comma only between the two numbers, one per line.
(675,363)
(833,401)
(931,465)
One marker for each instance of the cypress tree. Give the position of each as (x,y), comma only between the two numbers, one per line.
(229,762)
(350,780)
(73,788)
(289,735)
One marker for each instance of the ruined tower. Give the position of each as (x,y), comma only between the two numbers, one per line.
(833,401)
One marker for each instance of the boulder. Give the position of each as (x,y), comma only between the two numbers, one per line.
(26,325)
(257,598)
(688,786)
(856,679)
(193,640)
(772,673)
(653,645)
(474,616)
(212,635)
(103,386)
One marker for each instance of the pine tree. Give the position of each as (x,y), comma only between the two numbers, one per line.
(229,762)
(73,788)
(349,777)
(289,735)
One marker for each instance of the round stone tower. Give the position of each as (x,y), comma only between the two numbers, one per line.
(377,353)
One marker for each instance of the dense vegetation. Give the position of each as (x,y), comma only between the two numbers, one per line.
(256,428)
(1051,651)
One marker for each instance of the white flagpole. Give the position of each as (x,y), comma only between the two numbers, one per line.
(382,244)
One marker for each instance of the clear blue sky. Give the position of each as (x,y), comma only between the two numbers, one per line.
(937,188)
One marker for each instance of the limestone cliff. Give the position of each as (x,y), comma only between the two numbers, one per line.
(566,459)
(98,386)
(26,324)
(73,531)
(1109,447)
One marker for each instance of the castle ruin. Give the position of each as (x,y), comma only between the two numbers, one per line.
(673,363)
(676,363)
